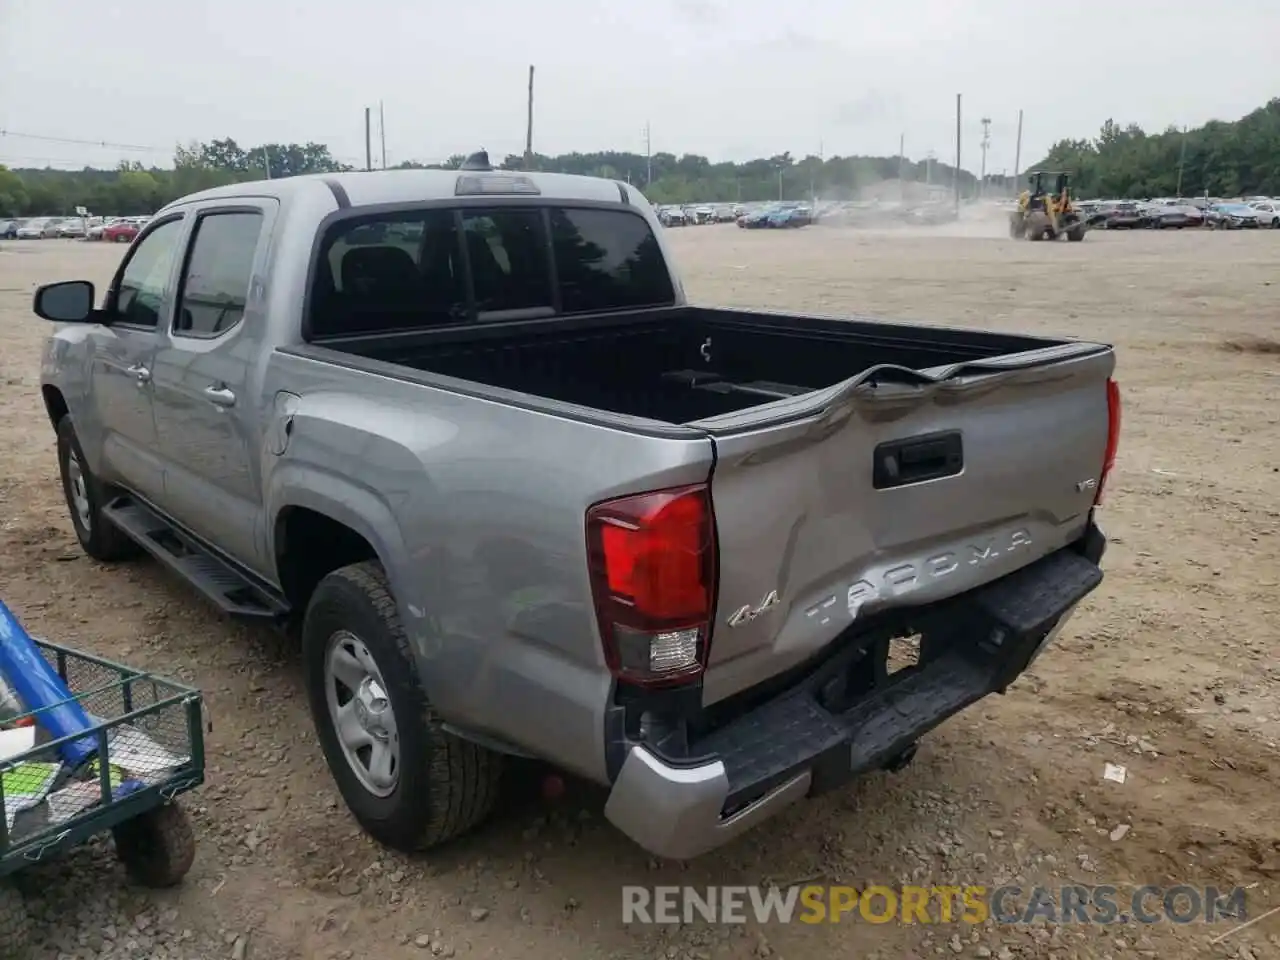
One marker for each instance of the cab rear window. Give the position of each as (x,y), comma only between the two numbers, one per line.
(429,268)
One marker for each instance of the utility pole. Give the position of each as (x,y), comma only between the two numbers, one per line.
(382,133)
(957,153)
(528,127)
(648,156)
(266,161)
(986,142)
(813,177)
(1182,160)
(780,183)
(902,159)
(368,142)
(1017,156)
(928,168)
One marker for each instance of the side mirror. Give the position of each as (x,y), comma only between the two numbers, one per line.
(68,302)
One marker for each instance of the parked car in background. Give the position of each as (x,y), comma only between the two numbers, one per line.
(755,219)
(705,214)
(1121,215)
(9,229)
(73,228)
(1269,213)
(672,216)
(1173,217)
(35,229)
(726,213)
(789,215)
(1232,216)
(120,231)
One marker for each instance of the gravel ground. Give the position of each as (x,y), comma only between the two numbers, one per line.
(1171,668)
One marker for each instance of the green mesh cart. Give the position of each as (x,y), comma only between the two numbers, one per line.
(151,733)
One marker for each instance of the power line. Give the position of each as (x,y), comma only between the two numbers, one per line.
(84,143)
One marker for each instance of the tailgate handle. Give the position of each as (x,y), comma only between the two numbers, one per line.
(930,456)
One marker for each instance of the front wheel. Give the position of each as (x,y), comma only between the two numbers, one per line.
(85,497)
(409,782)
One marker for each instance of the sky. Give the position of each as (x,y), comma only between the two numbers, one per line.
(728,79)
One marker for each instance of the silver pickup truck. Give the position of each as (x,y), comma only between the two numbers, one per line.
(521,498)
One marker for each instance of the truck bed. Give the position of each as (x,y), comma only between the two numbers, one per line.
(860,468)
(682,365)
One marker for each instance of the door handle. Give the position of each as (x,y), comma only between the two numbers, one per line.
(139,373)
(220,396)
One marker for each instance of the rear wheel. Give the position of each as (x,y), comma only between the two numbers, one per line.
(409,782)
(1076,233)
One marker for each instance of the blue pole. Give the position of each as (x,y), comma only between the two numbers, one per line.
(40,689)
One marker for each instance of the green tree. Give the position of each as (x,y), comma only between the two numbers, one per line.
(1218,159)
(13,193)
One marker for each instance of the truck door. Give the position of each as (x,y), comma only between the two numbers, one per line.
(206,408)
(139,303)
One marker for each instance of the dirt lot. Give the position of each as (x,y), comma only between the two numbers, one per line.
(1171,670)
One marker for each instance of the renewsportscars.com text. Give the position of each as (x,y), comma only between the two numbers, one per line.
(971,904)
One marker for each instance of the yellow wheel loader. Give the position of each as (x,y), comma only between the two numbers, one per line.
(1045,215)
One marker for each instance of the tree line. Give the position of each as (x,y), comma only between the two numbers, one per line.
(1239,158)
(1219,159)
(132,189)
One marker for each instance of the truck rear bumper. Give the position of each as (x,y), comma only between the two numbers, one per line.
(792,746)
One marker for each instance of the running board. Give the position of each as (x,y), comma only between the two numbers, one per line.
(234,593)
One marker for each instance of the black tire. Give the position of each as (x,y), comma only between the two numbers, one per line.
(15,924)
(445,786)
(158,847)
(1038,227)
(98,537)
(1076,233)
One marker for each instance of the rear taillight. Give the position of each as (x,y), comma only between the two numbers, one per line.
(1113,436)
(653,571)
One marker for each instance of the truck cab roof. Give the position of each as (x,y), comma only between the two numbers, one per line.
(377,187)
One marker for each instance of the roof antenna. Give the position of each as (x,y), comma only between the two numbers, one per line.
(477,161)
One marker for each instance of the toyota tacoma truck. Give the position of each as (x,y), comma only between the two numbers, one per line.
(519,497)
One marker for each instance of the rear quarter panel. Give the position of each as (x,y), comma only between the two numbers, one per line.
(477,510)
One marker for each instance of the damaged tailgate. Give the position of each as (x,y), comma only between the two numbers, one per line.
(896,487)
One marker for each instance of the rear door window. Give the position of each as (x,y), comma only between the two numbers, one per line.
(607,260)
(219,271)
